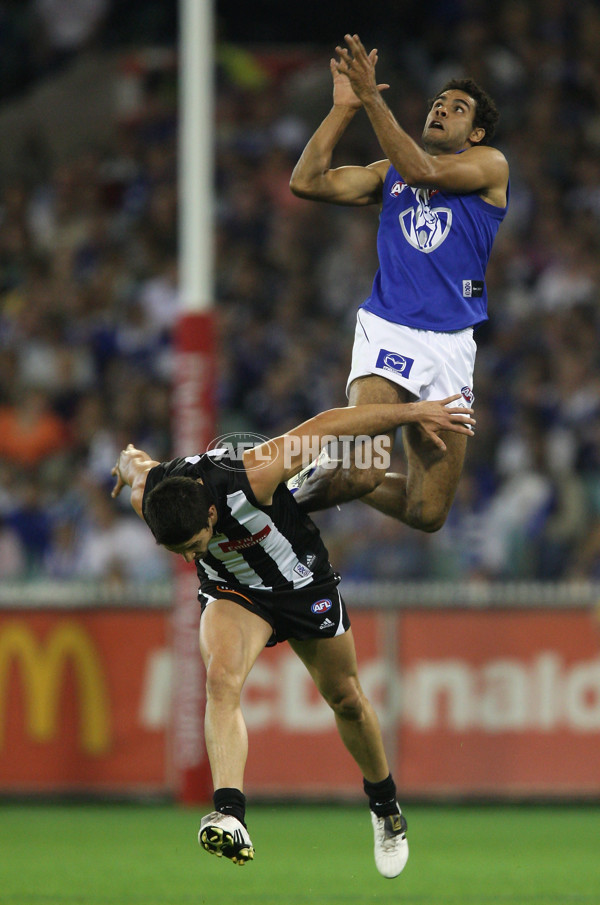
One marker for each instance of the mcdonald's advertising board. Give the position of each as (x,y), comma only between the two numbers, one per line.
(83,700)
(481,704)
(494,703)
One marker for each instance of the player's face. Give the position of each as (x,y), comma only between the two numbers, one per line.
(449,123)
(195,547)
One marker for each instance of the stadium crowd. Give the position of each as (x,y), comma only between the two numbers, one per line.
(88,299)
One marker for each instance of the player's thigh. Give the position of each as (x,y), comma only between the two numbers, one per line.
(331,663)
(231,638)
(372,389)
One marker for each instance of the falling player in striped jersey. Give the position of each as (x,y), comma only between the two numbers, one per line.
(265,578)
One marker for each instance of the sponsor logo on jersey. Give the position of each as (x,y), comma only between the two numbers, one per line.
(472,288)
(425,227)
(309,559)
(393,361)
(468,394)
(302,571)
(228,546)
(322,606)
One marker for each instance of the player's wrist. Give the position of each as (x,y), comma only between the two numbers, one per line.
(347,109)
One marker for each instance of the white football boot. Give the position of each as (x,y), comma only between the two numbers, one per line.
(391,847)
(224,836)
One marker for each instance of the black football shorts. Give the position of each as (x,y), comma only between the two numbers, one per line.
(317,611)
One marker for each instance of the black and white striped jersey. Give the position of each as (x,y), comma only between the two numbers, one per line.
(272,548)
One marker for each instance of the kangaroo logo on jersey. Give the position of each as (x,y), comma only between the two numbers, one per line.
(425,227)
(393,361)
(321,606)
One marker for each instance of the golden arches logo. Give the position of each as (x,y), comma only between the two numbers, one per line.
(41,669)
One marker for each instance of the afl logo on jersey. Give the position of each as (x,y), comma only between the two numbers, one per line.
(468,394)
(425,227)
(397,188)
(321,606)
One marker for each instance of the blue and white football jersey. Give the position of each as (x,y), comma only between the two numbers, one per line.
(433,249)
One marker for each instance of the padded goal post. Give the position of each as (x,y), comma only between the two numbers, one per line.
(194,412)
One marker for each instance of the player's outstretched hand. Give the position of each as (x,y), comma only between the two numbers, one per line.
(125,457)
(438,415)
(354,75)
(119,484)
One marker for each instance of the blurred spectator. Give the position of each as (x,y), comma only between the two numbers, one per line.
(68,25)
(118,547)
(29,430)
(12,556)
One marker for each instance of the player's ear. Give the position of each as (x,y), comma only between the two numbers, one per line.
(477,135)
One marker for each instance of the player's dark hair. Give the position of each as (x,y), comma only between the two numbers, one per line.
(486,113)
(176,510)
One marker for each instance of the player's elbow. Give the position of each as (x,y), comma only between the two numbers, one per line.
(419,177)
(420,173)
(302,187)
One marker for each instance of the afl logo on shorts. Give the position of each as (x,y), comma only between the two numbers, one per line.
(321,606)
(468,395)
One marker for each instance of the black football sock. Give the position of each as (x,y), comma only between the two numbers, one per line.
(382,796)
(230,801)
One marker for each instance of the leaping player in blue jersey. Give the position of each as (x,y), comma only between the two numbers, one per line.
(441,206)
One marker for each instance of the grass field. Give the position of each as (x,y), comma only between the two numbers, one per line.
(120,854)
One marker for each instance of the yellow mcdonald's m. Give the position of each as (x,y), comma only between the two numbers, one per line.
(42,667)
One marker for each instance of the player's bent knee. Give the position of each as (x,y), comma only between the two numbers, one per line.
(347,703)
(221,683)
(430,525)
(426,518)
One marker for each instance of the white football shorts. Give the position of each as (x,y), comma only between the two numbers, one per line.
(430,365)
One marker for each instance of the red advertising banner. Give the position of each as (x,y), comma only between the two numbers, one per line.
(472,703)
(500,702)
(489,703)
(84,700)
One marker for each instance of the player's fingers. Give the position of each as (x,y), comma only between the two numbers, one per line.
(355,43)
(463,414)
(460,428)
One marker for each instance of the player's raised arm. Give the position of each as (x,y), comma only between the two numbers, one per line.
(279,459)
(449,128)
(131,470)
(313,177)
